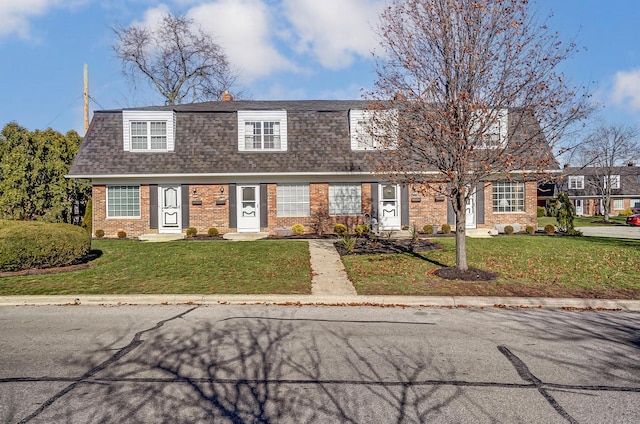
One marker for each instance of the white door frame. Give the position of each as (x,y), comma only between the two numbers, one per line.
(471,211)
(248,210)
(169,215)
(579,205)
(389,216)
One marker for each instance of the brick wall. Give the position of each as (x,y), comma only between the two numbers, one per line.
(208,212)
(528,217)
(132,226)
(425,209)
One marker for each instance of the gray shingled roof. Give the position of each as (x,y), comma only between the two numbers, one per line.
(207,142)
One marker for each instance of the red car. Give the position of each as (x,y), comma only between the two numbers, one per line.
(634,220)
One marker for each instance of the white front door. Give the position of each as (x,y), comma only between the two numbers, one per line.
(579,207)
(248,208)
(170,211)
(389,207)
(471,211)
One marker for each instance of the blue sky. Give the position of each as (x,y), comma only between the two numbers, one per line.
(283,49)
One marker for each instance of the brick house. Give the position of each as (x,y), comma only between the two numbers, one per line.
(261,166)
(585,186)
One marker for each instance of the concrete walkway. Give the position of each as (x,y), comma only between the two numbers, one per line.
(611,231)
(328,274)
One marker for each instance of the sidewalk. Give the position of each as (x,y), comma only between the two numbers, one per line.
(329,287)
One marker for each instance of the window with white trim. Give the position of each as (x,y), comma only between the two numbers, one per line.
(292,199)
(491,132)
(614,179)
(372,130)
(618,204)
(123,201)
(576,182)
(508,196)
(634,203)
(262,130)
(148,131)
(345,199)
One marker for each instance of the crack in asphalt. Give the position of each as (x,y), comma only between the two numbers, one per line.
(135,342)
(524,373)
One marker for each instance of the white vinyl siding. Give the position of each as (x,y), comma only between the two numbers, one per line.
(576,182)
(494,135)
(508,197)
(262,130)
(292,199)
(345,199)
(123,201)
(618,204)
(615,181)
(148,131)
(364,134)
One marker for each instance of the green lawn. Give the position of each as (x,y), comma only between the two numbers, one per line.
(585,221)
(527,266)
(127,266)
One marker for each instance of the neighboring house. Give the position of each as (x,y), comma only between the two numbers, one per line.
(261,166)
(585,187)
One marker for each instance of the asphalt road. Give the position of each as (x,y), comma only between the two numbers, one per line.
(259,364)
(612,231)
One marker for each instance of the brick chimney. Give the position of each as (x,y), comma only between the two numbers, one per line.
(226,96)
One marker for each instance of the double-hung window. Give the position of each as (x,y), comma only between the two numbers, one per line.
(508,196)
(345,199)
(618,204)
(614,180)
(262,130)
(576,182)
(292,199)
(372,130)
(148,131)
(490,129)
(123,201)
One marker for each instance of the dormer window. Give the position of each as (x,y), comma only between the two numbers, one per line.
(614,180)
(262,130)
(370,131)
(148,131)
(576,182)
(494,133)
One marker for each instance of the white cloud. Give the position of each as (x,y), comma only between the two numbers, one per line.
(244,28)
(334,31)
(15,15)
(626,89)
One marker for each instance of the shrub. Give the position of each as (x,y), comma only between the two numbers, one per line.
(339,229)
(531,229)
(362,229)
(428,229)
(541,211)
(549,229)
(121,234)
(564,212)
(192,231)
(626,212)
(99,233)
(87,220)
(297,229)
(212,232)
(508,229)
(446,228)
(29,244)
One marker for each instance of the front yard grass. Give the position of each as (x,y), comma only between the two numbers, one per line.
(132,267)
(527,266)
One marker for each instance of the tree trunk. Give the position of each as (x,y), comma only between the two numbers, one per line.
(460,209)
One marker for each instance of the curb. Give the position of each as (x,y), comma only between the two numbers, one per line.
(315,300)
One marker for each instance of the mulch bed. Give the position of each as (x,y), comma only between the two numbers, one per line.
(471,274)
(368,246)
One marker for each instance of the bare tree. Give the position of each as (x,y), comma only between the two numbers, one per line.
(182,62)
(477,91)
(605,149)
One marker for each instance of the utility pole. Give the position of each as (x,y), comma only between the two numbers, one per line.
(86,98)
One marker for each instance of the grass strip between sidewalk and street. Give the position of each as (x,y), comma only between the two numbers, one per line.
(527,266)
(222,267)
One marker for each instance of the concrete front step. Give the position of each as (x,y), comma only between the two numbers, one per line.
(245,236)
(481,232)
(156,238)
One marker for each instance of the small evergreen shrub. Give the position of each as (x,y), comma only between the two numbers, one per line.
(340,229)
(121,234)
(549,229)
(99,233)
(446,228)
(192,231)
(349,242)
(30,244)
(87,220)
(297,229)
(530,229)
(362,229)
(508,229)
(541,211)
(626,212)
(428,229)
(213,232)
